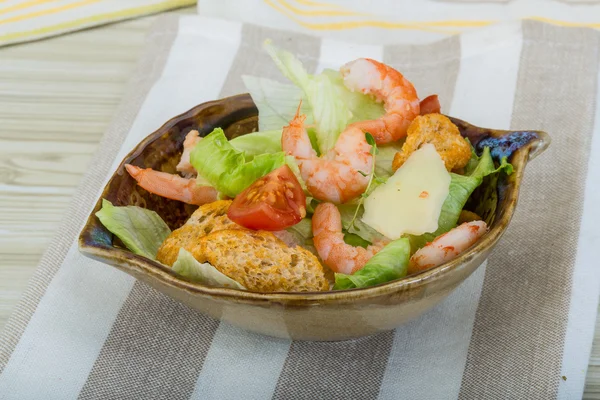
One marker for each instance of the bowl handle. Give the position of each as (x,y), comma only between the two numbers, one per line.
(539,145)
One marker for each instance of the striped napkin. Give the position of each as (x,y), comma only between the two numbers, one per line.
(25,20)
(392,21)
(520,327)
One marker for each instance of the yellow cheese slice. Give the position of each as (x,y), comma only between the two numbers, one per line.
(411,200)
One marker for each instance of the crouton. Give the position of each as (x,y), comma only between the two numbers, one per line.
(256,259)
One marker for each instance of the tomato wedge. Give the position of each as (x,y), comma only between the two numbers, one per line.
(272,203)
(430,105)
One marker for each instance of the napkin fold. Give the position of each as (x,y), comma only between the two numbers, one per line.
(521,326)
(26,20)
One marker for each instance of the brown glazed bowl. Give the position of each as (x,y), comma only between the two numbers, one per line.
(327,316)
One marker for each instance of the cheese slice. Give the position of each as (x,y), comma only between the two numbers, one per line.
(411,200)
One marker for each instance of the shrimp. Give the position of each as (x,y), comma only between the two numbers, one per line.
(447,246)
(329,242)
(388,85)
(184,166)
(340,175)
(171,186)
(438,130)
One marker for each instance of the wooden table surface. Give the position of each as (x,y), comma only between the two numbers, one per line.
(57,97)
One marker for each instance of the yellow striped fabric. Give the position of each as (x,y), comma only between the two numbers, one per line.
(25,20)
(367,21)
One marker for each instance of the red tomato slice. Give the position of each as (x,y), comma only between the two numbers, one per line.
(430,105)
(272,203)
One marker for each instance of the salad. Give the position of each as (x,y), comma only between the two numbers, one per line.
(351,181)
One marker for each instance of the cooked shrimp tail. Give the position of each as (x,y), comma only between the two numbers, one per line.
(329,242)
(386,85)
(184,166)
(447,246)
(334,177)
(172,186)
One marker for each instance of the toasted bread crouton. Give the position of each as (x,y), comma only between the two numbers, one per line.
(261,262)
(256,259)
(207,218)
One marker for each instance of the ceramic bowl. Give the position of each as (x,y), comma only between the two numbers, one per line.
(322,316)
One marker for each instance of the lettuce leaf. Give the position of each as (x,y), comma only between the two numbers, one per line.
(461,188)
(256,143)
(226,168)
(187,266)
(361,106)
(359,228)
(389,264)
(302,231)
(141,230)
(354,240)
(384,158)
(330,112)
(276,102)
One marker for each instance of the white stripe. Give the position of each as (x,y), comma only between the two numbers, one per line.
(431,352)
(586,279)
(68,329)
(428,355)
(335,53)
(483,98)
(241,365)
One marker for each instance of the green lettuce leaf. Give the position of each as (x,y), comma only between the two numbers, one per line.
(329,111)
(226,168)
(384,158)
(354,240)
(141,230)
(461,188)
(484,199)
(256,143)
(187,266)
(358,228)
(276,102)
(389,264)
(361,106)
(302,232)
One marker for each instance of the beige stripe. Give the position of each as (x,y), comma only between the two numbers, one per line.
(148,70)
(432,68)
(517,343)
(155,350)
(305,47)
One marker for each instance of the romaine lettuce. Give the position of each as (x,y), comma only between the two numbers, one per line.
(226,168)
(330,112)
(358,227)
(361,106)
(141,230)
(256,143)
(276,102)
(389,264)
(187,266)
(384,158)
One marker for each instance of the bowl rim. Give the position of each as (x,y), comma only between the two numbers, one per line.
(159,271)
